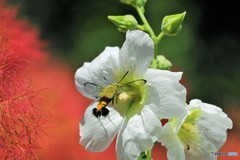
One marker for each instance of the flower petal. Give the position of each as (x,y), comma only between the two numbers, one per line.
(95,71)
(201,150)
(199,147)
(166,93)
(138,134)
(136,53)
(213,123)
(168,137)
(98,133)
(151,122)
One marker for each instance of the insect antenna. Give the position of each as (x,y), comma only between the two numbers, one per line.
(123,76)
(106,80)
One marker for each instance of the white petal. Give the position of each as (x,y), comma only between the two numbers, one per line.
(95,71)
(213,123)
(166,93)
(98,133)
(136,53)
(169,139)
(151,122)
(210,109)
(201,150)
(138,135)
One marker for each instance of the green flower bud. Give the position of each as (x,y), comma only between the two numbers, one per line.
(124,23)
(161,63)
(172,24)
(130,2)
(141,3)
(135,3)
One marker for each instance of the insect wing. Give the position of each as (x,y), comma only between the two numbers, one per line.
(92,89)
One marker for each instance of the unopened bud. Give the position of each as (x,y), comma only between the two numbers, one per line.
(135,3)
(124,23)
(161,63)
(172,24)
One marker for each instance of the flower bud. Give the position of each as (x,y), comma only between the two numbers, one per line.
(124,23)
(130,2)
(161,63)
(141,3)
(172,24)
(135,3)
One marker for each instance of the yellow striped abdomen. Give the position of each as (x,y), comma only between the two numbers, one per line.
(100,105)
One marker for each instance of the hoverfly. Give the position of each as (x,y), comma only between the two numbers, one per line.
(109,93)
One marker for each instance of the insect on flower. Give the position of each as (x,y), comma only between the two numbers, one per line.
(140,97)
(109,93)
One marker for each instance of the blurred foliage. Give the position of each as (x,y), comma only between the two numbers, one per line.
(207,49)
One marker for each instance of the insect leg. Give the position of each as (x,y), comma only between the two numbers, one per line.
(113,99)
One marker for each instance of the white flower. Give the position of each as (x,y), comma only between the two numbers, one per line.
(202,133)
(136,98)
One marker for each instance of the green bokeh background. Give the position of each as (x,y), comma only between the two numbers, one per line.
(207,49)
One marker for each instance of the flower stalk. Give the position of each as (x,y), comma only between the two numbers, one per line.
(171,24)
(149,30)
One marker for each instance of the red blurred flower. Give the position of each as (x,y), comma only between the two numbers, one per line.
(59,95)
(20,118)
(22,37)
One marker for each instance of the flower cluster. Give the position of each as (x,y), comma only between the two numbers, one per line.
(141,98)
(130,99)
(133,91)
(21,119)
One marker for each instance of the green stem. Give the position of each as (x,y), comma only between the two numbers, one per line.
(155,48)
(145,22)
(141,27)
(146,27)
(159,37)
(147,155)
